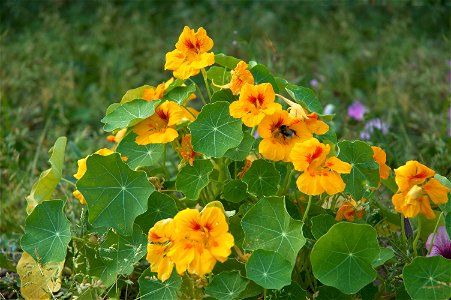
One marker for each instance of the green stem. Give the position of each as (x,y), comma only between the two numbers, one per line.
(264,294)
(434,233)
(78,239)
(287,180)
(207,86)
(417,237)
(199,91)
(68,181)
(403,232)
(307,209)
(188,111)
(253,130)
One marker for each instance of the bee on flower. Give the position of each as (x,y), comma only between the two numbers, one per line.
(320,172)
(190,54)
(416,188)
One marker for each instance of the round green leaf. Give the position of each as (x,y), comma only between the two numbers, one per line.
(159,207)
(219,75)
(150,288)
(47,232)
(215,131)
(384,255)
(261,74)
(305,96)
(291,292)
(129,114)
(331,293)
(227,61)
(223,95)
(136,93)
(365,171)
(192,179)
(262,178)
(120,253)
(321,224)
(139,155)
(428,278)
(180,94)
(226,286)
(242,150)
(267,225)
(235,191)
(269,269)
(115,194)
(342,257)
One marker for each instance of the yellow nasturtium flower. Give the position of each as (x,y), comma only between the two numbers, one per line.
(320,174)
(159,128)
(255,102)
(186,150)
(240,76)
(416,188)
(350,209)
(190,54)
(380,157)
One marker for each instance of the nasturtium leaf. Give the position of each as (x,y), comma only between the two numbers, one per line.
(36,281)
(159,207)
(448,223)
(365,171)
(269,269)
(180,94)
(384,255)
(251,291)
(267,225)
(331,293)
(219,75)
(291,292)
(281,82)
(115,194)
(47,232)
(446,208)
(192,179)
(235,191)
(98,268)
(321,224)
(226,286)
(150,288)
(120,253)
(129,114)
(428,278)
(305,96)
(236,230)
(262,178)
(139,155)
(242,150)
(223,95)
(342,257)
(49,179)
(261,74)
(215,131)
(227,61)
(136,93)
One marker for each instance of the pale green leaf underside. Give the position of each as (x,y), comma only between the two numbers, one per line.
(47,232)
(262,178)
(150,288)
(268,226)
(428,278)
(115,194)
(342,257)
(139,155)
(269,269)
(129,114)
(215,131)
(226,286)
(192,179)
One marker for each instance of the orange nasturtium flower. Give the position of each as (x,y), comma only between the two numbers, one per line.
(380,157)
(349,210)
(255,102)
(186,150)
(320,174)
(240,76)
(190,54)
(159,128)
(82,170)
(117,138)
(280,132)
(152,93)
(416,188)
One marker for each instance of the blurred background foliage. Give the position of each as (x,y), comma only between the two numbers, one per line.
(63,62)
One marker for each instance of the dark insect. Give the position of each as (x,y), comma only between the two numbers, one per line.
(286,131)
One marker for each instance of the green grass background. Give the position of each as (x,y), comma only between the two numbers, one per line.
(64,62)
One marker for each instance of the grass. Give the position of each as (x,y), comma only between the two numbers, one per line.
(63,63)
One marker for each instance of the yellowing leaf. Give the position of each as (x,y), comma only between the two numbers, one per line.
(37,282)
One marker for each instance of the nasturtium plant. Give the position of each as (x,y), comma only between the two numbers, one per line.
(227,181)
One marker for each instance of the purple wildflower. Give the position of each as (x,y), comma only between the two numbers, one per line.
(314,83)
(368,130)
(356,110)
(441,244)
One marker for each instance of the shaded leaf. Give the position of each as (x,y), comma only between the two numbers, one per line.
(192,179)
(235,191)
(219,75)
(291,292)
(321,224)
(115,194)
(159,207)
(139,155)
(49,179)
(261,74)
(226,286)
(305,96)
(150,288)
(229,62)
(47,233)
(242,150)
(331,293)
(223,95)
(262,178)
(384,255)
